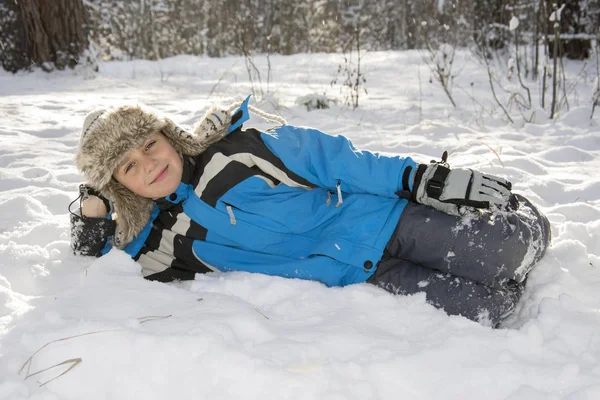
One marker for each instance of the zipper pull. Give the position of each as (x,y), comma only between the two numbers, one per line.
(232,220)
(339,193)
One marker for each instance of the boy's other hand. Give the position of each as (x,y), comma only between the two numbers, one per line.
(214,120)
(93,207)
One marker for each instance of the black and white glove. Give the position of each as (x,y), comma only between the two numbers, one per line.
(453,191)
(89,234)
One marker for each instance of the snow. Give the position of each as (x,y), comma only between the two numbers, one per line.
(513,24)
(555,16)
(238,335)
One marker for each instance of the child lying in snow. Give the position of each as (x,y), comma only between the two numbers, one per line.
(297,203)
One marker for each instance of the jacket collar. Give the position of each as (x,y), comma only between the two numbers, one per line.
(180,194)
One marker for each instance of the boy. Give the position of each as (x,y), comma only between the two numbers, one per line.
(295,202)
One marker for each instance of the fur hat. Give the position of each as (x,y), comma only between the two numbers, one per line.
(108,135)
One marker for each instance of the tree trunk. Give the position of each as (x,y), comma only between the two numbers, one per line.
(536,44)
(55,32)
(555,69)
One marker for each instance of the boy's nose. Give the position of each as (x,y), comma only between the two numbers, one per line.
(150,164)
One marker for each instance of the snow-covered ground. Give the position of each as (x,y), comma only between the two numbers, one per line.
(243,336)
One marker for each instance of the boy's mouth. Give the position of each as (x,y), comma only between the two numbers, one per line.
(160,175)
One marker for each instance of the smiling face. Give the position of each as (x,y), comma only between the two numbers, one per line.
(153,170)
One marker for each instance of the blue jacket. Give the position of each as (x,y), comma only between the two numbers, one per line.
(291,202)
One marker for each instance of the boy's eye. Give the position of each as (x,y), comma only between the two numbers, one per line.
(129,166)
(150,144)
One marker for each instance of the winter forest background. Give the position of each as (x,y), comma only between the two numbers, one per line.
(522,40)
(153,29)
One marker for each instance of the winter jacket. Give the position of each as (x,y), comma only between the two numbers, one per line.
(291,202)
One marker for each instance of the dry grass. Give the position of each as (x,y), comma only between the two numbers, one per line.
(73,362)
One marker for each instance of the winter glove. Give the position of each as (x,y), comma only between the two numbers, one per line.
(89,234)
(453,191)
(214,120)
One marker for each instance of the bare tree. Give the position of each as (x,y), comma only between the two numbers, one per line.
(353,77)
(555,18)
(536,40)
(356,23)
(483,54)
(596,94)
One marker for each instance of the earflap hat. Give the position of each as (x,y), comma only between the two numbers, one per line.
(108,135)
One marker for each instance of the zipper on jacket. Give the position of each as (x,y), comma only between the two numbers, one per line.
(232,220)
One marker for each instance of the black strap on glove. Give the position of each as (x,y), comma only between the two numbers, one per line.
(85,191)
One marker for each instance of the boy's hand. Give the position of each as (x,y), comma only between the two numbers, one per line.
(93,204)
(448,189)
(93,207)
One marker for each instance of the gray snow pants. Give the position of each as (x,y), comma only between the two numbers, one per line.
(472,266)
